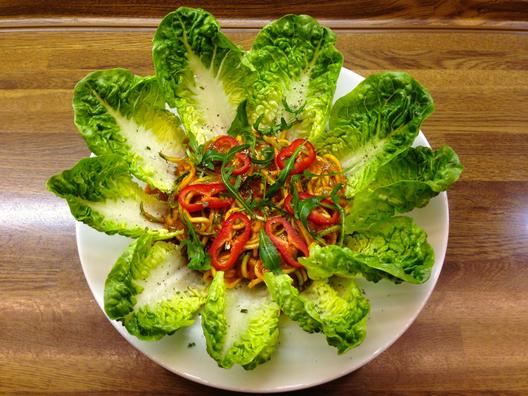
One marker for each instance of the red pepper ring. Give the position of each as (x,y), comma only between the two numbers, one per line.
(304,159)
(288,242)
(320,215)
(223,144)
(230,241)
(207,195)
(241,164)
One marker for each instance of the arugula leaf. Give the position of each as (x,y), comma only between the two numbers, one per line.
(225,173)
(284,173)
(269,254)
(209,157)
(268,153)
(198,259)
(240,126)
(283,126)
(303,207)
(195,152)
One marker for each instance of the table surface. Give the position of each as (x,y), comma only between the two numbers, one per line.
(472,334)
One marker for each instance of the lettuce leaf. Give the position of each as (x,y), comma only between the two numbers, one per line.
(395,249)
(202,73)
(408,181)
(151,290)
(289,300)
(374,123)
(101,193)
(341,308)
(241,325)
(336,307)
(297,66)
(118,112)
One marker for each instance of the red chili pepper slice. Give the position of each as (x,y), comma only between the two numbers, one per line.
(230,242)
(320,215)
(223,144)
(241,164)
(286,240)
(304,159)
(195,197)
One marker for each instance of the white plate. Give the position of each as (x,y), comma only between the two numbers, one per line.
(301,360)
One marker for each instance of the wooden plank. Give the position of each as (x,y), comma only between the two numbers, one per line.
(501,14)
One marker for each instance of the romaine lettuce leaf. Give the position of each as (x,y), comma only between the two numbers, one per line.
(118,112)
(151,290)
(335,306)
(101,193)
(241,325)
(297,67)
(374,123)
(203,74)
(395,249)
(408,181)
(341,308)
(289,300)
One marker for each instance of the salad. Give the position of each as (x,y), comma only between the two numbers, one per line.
(248,194)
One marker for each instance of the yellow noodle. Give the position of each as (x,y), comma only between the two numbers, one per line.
(207,222)
(233,283)
(243,266)
(254,282)
(196,220)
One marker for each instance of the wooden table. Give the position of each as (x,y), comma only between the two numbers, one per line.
(471,336)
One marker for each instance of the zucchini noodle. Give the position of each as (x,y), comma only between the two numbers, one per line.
(323,175)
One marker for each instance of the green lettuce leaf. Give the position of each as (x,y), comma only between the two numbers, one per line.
(408,181)
(342,310)
(203,74)
(241,325)
(395,249)
(297,67)
(151,290)
(336,307)
(374,123)
(118,112)
(289,300)
(102,194)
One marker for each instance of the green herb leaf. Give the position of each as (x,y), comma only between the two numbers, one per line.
(198,258)
(268,153)
(269,254)
(284,173)
(209,157)
(283,126)
(225,173)
(240,126)
(195,152)
(304,207)
(290,110)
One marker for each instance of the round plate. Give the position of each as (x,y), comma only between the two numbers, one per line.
(301,360)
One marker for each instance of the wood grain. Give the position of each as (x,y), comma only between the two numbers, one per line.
(472,335)
(472,14)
